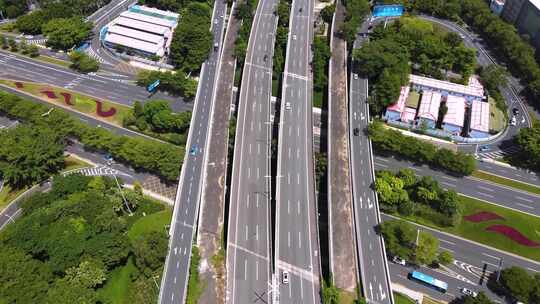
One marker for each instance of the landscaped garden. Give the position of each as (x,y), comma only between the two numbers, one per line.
(102,109)
(422,200)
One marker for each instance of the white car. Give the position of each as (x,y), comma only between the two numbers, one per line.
(294,37)
(285,277)
(287,105)
(399,261)
(513,121)
(469,292)
(355,76)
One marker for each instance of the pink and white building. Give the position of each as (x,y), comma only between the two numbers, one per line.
(455,116)
(479,119)
(428,112)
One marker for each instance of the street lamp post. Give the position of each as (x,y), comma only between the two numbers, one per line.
(122,194)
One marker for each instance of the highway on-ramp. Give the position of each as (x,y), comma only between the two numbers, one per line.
(371,253)
(249,260)
(297,246)
(186,209)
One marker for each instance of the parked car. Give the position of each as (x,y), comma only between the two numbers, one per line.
(399,261)
(468,292)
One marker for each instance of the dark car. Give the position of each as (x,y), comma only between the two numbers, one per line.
(356,131)
(515,111)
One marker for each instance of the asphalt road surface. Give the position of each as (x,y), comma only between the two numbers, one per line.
(297,246)
(249,263)
(473,264)
(186,209)
(494,193)
(370,246)
(20,67)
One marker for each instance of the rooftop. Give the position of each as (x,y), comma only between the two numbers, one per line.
(408,114)
(138,35)
(135,44)
(150,11)
(143,26)
(400,104)
(480,116)
(413,99)
(456,111)
(447,86)
(149,19)
(429,105)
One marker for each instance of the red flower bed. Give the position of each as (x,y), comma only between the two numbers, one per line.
(102,113)
(67,99)
(513,234)
(483,216)
(50,94)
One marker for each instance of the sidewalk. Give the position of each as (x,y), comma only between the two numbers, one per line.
(342,251)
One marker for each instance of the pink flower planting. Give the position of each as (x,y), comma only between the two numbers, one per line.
(513,234)
(67,99)
(483,217)
(50,94)
(102,113)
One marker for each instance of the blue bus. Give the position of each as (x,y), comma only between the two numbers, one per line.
(428,281)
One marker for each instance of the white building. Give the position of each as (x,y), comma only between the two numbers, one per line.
(142,30)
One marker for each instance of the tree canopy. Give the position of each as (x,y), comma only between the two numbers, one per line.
(29,155)
(65,33)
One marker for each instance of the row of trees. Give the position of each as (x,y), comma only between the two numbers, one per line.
(321,55)
(245,12)
(192,40)
(385,59)
(157,117)
(162,159)
(528,139)
(355,12)
(407,194)
(282,32)
(69,241)
(26,49)
(402,239)
(393,141)
(29,155)
(176,83)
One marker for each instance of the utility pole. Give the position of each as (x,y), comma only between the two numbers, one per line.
(122,194)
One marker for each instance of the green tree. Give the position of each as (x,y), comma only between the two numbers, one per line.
(65,33)
(517,283)
(150,250)
(399,238)
(33,51)
(29,155)
(13,45)
(426,250)
(82,62)
(327,13)
(493,77)
(88,274)
(330,293)
(445,258)
(31,23)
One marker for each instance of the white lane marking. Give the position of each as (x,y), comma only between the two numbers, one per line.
(525,206)
(299,240)
(289,238)
(493,257)
(485,194)
(298,204)
(246,232)
(485,188)
(524,199)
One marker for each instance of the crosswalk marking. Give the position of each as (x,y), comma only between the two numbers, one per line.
(97,171)
(500,154)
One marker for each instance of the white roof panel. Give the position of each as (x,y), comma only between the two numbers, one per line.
(447,86)
(138,35)
(429,105)
(480,116)
(148,19)
(135,44)
(143,26)
(456,111)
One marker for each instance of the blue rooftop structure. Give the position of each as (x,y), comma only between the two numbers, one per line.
(388,10)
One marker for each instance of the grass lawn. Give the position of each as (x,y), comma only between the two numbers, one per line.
(428,300)
(53,60)
(346,297)
(526,224)
(72,163)
(496,117)
(506,181)
(317,99)
(153,222)
(7,195)
(81,103)
(413,99)
(402,299)
(117,287)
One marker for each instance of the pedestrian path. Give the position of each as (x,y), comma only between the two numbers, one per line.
(500,153)
(90,52)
